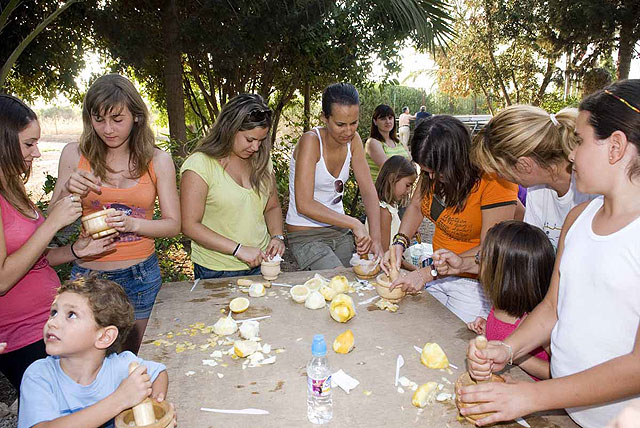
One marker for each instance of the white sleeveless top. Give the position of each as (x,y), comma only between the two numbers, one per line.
(323,188)
(598,305)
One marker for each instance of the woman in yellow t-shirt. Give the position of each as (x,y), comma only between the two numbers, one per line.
(461,201)
(228,196)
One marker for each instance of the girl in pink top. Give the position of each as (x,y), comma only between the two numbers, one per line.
(515,265)
(27,281)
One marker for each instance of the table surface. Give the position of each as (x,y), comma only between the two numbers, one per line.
(177,337)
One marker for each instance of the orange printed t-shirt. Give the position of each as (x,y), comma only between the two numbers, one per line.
(461,231)
(137,201)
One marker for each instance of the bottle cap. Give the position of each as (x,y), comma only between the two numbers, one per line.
(319,347)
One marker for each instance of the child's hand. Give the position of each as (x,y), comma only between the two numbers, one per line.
(447,262)
(134,388)
(3,346)
(481,363)
(478,325)
(160,398)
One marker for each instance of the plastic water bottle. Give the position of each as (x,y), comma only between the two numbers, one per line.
(319,402)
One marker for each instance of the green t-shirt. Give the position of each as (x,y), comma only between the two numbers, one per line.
(230,210)
(389,151)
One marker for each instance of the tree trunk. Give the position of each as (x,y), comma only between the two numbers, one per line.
(307,107)
(627,43)
(173,77)
(567,75)
(548,74)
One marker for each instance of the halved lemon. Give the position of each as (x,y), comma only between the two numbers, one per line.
(239,304)
(314,283)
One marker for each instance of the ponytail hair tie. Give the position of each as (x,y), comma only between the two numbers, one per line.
(554,120)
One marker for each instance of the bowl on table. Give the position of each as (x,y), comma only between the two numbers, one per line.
(382,284)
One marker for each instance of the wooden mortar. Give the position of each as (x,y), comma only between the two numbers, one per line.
(465,379)
(163,416)
(96,225)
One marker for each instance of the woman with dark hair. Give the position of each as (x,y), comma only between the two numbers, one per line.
(229,199)
(383,140)
(320,234)
(461,201)
(28,283)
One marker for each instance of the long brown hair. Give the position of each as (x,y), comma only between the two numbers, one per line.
(393,170)
(242,113)
(15,116)
(442,144)
(108,93)
(516,266)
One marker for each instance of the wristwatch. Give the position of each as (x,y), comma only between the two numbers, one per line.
(280,237)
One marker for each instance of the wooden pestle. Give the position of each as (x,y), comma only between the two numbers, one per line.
(143,412)
(393,270)
(481,343)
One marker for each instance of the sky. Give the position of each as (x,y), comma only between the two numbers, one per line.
(418,69)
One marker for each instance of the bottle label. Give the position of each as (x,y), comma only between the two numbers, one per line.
(319,387)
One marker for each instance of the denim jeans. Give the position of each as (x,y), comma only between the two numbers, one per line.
(206,273)
(141,282)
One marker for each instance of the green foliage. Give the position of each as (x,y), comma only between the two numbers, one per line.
(51,61)
(553,102)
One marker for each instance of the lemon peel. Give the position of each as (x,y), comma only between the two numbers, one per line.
(344,342)
(433,356)
(425,394)
(244,348)
(342,308)
(239,305)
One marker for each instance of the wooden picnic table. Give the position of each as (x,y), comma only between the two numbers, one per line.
(177,337)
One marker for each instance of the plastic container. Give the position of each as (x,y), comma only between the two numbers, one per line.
(319,401)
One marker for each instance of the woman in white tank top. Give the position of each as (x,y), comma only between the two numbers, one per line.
(591,313)
(320,234)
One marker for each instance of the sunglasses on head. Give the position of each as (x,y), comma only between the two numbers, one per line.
(259,114)
(338,186)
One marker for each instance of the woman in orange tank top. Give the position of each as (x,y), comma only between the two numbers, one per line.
(117,165)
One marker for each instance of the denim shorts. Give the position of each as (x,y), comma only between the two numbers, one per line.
(141,282)
(206,273)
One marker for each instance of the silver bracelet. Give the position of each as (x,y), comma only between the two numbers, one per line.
(510,352)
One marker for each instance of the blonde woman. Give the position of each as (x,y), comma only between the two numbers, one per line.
(531,147)
(117,165)
(229,198)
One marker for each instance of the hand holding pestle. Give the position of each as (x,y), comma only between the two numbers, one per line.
(143,412)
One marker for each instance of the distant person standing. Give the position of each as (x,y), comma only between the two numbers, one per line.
(403,126)
(422,114)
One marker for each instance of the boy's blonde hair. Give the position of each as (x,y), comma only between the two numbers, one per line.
(108,302)
(523,130)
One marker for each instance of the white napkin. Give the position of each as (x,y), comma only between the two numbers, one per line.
(344,381)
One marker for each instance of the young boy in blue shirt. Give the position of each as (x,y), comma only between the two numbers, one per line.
(84,382)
